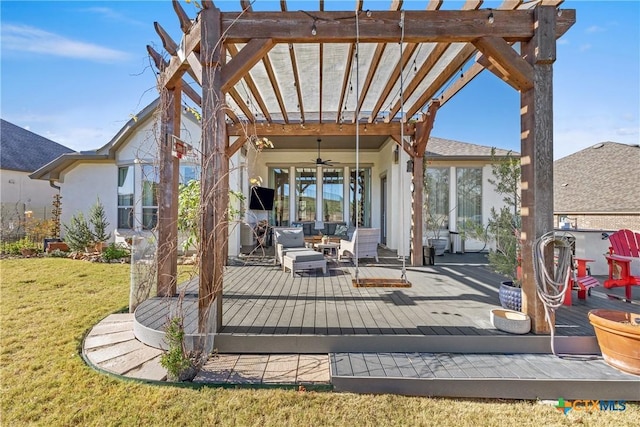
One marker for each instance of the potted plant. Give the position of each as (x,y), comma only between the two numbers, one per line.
(503,228)
(435,224)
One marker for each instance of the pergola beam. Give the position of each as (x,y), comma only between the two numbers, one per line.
(516,71)
(244,61)
(420,26)
(323,129)
(253,88)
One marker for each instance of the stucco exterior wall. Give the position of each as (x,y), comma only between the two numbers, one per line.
(82,186)
(18,191)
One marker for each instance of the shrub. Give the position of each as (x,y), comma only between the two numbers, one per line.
(81,234)
(114,251)
(78,234)
(15,248)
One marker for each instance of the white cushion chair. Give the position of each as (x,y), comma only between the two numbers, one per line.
(288,240)
(364,243)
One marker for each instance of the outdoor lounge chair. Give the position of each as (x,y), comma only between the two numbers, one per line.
(364,243)
(625,248)
(287,240)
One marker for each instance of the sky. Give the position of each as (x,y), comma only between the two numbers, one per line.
(76,71)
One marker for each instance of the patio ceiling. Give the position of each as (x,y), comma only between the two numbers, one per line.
(313,69)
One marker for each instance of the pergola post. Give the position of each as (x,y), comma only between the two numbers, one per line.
(422,134)
(168,193)
(215,170)
(537,158)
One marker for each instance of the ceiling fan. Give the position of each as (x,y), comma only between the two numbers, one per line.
(318,160)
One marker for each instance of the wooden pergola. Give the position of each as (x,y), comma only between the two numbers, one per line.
(225,51)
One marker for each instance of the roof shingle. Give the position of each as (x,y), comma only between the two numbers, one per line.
(22,150)
(603,178)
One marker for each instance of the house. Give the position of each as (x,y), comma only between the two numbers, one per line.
(124,176)
(597,188)
(21,153)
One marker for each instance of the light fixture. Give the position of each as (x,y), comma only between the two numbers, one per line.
(368,13)
(491,18)
(396,154)
(410,165)
(559,12)
(314,30)
(412,187)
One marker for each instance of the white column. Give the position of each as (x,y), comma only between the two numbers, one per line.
(453,199)
(347,196)
(319,205)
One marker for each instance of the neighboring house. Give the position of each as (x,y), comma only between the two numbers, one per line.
(21,153)
(597,188)
(123,176)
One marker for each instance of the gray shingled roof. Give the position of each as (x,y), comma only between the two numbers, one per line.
(439,147)
(22,150)
(602,178)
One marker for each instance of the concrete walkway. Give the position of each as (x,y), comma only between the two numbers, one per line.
(111,346)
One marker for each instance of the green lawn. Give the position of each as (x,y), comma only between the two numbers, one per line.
(47,304)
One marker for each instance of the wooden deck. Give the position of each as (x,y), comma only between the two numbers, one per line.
(508,376)
(446,310)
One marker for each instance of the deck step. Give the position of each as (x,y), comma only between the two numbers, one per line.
(312,344)
(505,376)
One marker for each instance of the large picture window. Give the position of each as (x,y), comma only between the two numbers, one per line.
(280,180)
(360,197)
(332,193)
(306,194)
(469,196)
(437,195)
(125,196)
(150,182)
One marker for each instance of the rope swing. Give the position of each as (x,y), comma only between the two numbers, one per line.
(403,276)
(383,282)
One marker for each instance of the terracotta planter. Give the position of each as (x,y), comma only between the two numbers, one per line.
(618,335)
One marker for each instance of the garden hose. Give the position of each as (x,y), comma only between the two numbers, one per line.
(551,290)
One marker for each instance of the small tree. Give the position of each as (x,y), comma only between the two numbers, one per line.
(81,234)
(78,234)
(504,225)
(99,224)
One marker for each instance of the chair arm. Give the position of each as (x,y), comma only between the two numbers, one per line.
(619,258)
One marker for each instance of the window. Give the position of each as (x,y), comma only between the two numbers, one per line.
(469,196)
(280,180)
(125,197)
(360,197)
(437,195)
(306,194)
(189,173)
(332,193)
(150,182)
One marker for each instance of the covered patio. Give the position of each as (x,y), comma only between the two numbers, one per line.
(221,50)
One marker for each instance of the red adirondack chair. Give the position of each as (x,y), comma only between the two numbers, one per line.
(625,246)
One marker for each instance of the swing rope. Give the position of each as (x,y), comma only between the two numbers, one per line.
(403,276)
(355,185)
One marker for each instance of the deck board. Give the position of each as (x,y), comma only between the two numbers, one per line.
(448,299)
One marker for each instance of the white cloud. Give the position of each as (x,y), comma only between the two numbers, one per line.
(627,131)
(585,47)
(595,29)
(112,15)
(25,38)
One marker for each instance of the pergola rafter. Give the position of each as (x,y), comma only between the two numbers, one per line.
(450,38)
